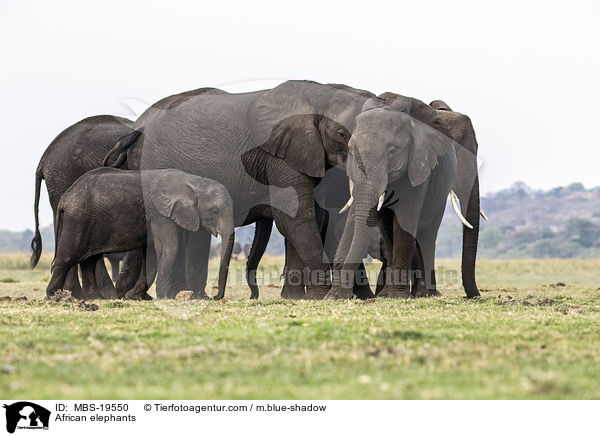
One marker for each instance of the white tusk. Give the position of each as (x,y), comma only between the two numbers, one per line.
(482,213)
(351,184)
(380,202)
(454,200)
(347,206)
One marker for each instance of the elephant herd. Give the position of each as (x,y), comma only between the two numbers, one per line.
(342,172)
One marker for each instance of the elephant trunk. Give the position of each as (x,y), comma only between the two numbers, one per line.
(364,217)
(227,233)
(470,240)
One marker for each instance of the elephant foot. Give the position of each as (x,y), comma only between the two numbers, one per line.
(108,292)
(76,293)
(121,292)
(293,292)
(339,293)
(363,292)
(91,295)
(426,293)
(472,292)
(317,292)
(136,294)
(201,295)
(253,293)
(395,292)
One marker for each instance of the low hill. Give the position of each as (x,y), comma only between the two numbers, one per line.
(560,223)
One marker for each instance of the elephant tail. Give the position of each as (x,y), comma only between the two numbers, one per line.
(123,144)
(36,242)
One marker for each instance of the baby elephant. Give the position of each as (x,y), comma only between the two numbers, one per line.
(109,210)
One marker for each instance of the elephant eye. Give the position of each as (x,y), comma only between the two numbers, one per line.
(342,134)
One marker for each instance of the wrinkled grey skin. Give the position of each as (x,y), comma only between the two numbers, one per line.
(110,210)
(75,151)
(269,148)
(391,151)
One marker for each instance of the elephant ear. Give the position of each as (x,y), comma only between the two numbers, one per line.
(440,105)
(282,121)
(418,150)
(173,197)
(297,140)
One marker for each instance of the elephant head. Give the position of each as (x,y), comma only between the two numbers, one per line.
(193,203)
(386,145)
(307,124)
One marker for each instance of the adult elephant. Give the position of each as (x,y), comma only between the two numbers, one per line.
(75,151)
(269,148)
(465,186)
(391,151)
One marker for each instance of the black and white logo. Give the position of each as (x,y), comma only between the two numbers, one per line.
(26,415)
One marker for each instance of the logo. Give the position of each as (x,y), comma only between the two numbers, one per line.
(26,415)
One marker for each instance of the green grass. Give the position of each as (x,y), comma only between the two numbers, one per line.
(525,338)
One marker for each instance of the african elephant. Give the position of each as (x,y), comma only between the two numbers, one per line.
(392,152)
(269,148)
(77,150)
(465,186)
(156,206)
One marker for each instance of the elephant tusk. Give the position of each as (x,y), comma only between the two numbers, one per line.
(380,202)
(454,200)
(351,185)
(347,206)
(482,213)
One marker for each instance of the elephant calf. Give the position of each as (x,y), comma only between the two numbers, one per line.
(109,210)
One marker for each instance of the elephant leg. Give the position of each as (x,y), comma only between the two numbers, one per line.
(103,280)
(426,243)
(197,253)
(362,289)
(301,229)
(88,278)
(150,263)
(386,226)
(417,273)
(130,272)
(140,289)
(397,281)
(60,272)
(167,242)
(72,282)
(304,237)
(295,271)
(262,233)
(293,282)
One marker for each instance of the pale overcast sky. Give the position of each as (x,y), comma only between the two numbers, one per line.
(526,73)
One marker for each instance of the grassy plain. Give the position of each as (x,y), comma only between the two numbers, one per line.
(527,337)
